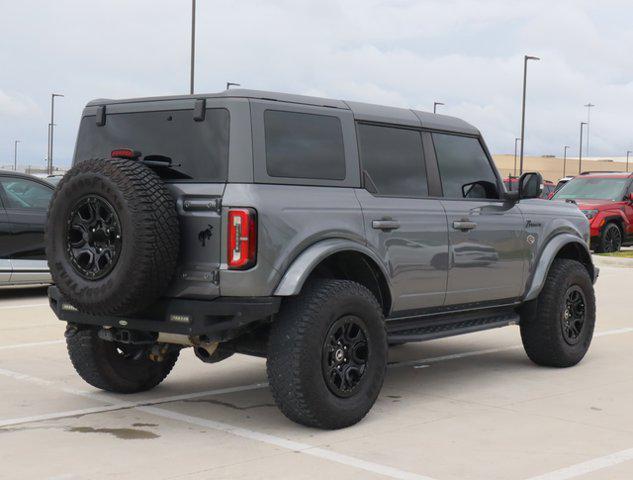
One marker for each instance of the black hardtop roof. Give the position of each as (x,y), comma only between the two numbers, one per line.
(362,111)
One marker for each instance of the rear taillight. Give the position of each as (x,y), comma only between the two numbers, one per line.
(242,244)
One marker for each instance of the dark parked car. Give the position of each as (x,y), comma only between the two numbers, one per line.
(512,184)
(24,202)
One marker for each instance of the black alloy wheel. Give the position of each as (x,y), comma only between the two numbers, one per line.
(612,238)
(94,237)
(345,356)
(573,315)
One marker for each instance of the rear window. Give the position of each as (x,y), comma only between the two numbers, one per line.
(394,160)
(199,150)
(304,145)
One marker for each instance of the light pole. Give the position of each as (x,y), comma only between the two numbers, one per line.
(582,124)
(589,107)
(515,155)
(193,44)
(435,104)
(232,84)
(565,158)
(628,152)
(525,61)
(49,168)
(15,155)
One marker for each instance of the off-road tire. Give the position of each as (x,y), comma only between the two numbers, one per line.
(149,236)
(296,348)
(610,239)
(541,326)
(99,364)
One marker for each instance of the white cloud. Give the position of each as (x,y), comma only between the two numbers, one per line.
(465,53)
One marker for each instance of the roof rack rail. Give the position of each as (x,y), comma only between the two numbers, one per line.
(605,171)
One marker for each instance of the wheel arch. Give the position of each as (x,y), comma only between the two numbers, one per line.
(561,246)
(342,259)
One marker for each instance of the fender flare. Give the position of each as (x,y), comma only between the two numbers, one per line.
(546,258)
(300,269)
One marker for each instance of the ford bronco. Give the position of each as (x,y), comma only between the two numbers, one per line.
(309,231)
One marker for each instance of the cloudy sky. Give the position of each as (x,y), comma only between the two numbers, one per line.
(467,54)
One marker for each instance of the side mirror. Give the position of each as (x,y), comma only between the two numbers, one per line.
(530,185)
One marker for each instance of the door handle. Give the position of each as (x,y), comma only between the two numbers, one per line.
(385,224)
(464,226)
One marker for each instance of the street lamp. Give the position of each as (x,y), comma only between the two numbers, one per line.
(435,104)
(51,129)
(193,44)
(582,124)
(565,158)
(628,152)
(232,84)
(589,107)
(515,155)
(15,155)
(525,61)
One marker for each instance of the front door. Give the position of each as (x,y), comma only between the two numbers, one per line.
(486,234)
(402,224)
(5,239)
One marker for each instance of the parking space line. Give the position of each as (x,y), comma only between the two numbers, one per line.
(588,466)
(32,344)
(287,444)
(26,305)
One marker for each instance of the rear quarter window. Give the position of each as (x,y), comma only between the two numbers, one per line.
(304,145)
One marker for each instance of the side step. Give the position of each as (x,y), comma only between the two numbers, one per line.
(418,329)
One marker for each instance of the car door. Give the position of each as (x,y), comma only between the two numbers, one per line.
(402,223)
(486,234)
(26,204)
(5,239)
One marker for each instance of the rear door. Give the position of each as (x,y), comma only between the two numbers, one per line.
(5,239)
(486,235)
(26,204)
(402,223)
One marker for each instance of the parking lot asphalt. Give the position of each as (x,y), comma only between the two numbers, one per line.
(470,407)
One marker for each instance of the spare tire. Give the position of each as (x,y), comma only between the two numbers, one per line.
(112,237)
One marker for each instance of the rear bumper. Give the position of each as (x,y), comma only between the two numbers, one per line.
(220,319)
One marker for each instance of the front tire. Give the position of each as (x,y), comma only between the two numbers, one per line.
(327,354)
(115,367)
(558,330)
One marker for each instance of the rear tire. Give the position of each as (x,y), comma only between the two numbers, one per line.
(610,239)
(558,330)
(115,367)
(327,354)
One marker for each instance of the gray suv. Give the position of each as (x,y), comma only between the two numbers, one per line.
(309,231)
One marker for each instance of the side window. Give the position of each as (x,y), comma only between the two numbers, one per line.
(304,145)
(464,167)
(394,159)
(25,194)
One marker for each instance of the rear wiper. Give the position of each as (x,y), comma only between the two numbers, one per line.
(164,167)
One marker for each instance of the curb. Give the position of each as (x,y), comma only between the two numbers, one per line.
(601,261)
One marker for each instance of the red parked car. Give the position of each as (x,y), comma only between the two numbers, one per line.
(512,183)
(606,199)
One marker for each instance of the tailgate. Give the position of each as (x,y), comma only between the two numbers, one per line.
(200,214)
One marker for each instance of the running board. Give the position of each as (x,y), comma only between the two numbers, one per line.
(423,328)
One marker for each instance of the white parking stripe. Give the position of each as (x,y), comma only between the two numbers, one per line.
(32,344)
(615,331)
(26,305)
(588,467)
(287,444)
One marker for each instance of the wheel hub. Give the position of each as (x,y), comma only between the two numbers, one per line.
(93,240)
(345,356)
(574,314)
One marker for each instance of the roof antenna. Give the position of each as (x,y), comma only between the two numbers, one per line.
(231,84)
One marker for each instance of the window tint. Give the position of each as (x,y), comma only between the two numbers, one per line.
(304,145)
(25,194)
(462,162)
(199,150)
(394,159)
